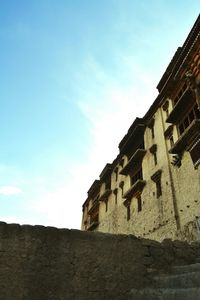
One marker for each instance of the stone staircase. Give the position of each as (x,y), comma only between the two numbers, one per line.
(182,283)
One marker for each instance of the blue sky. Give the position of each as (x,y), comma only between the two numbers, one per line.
(73,76)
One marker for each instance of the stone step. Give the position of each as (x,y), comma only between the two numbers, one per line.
(186,268)
(189,280)
(165,294)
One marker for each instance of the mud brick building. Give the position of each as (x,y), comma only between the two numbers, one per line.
(152,188)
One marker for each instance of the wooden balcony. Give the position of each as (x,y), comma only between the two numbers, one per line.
(135,189)
(106,172)
(185,141)
(93,225)
(94,216)
(94,189)
(105,195)
(94,207)
(182,106)
(135,132)
(134,160)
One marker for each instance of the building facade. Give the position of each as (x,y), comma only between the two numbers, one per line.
(152,188)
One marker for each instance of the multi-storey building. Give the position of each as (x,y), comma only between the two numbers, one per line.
(152,188)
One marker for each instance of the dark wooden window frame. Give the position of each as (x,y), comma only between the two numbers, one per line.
(156,177)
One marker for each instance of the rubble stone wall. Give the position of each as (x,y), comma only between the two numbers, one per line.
(44,263)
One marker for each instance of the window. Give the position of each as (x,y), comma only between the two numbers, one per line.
(128,212)
(116,174)
(115,193)
(198,223)
(106,203)
(141,146)
(181,129)
(180,93)
(86,208)
(169,135)
(195,153)
(155,158)
(151,126)
(152,132)
(122,162)
(158,188)
(193,114)
(116,198)
(108,184)
(127,204)
(171,140)
(94,218)
(156,177)
(85,224)
(94,200)
(153,150)
(121,185)
(139,203)
(166,108)
(136,176)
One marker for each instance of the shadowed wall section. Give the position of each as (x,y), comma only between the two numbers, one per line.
(44,263)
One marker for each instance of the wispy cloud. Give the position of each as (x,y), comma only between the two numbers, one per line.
(110,103)
(9,190)
(106,73)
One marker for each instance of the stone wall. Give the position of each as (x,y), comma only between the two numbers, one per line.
(44,263)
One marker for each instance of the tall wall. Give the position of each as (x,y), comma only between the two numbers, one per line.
(155,179)
(187,186)
(44,263)
(156,220)
(172,215)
